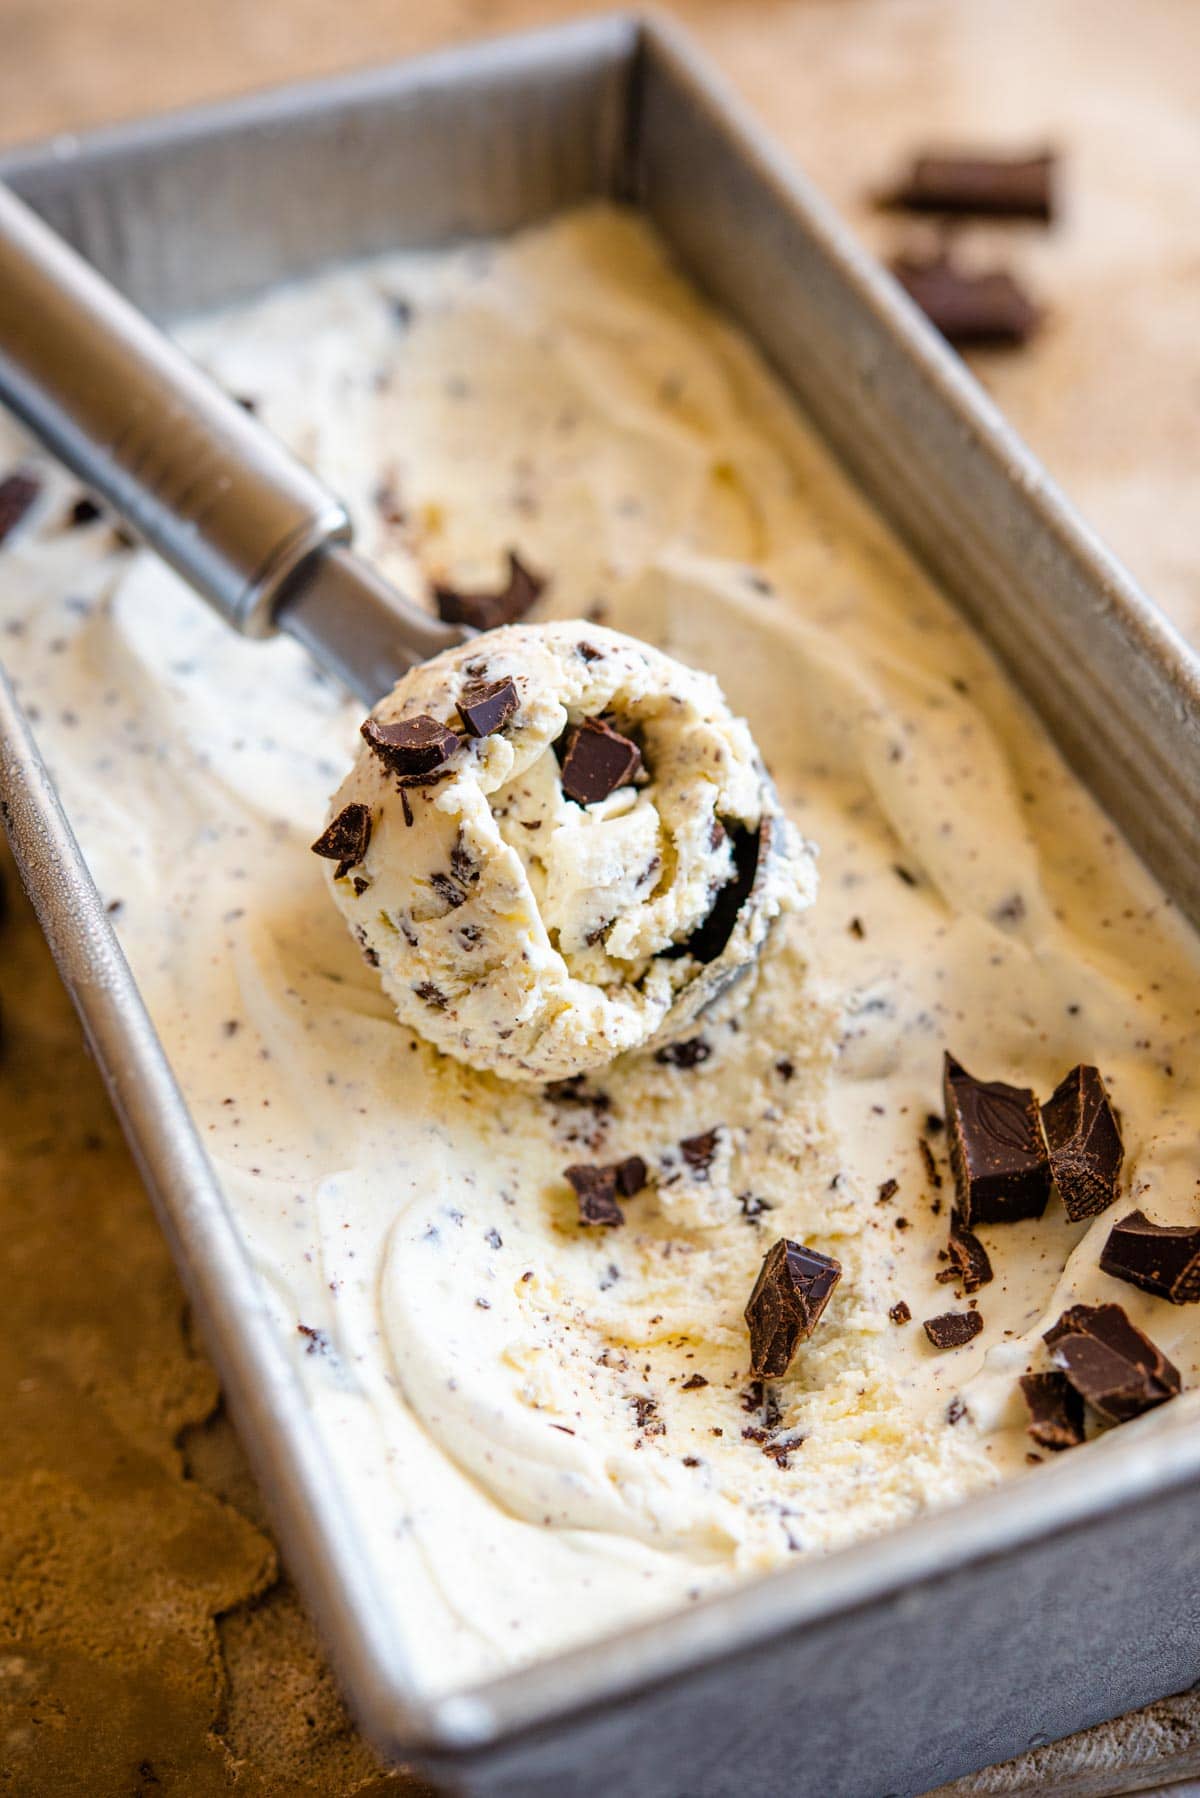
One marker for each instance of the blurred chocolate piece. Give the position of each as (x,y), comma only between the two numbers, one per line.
(969,1266)
(711,935)
(596,1188)
(631,1175)
(792,1290)
(1160,1258)
(485,611)
(985,309)
(1085,1144)
(1110,1363)
(1001,1169)
(1055,1410)
(17,493)
(952,1329)
(980,186)
(484,706)
(598,760)
(346,839)
(85,511)
(412,747)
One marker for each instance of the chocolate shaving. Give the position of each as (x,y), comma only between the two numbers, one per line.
(485,611)
(1085,1144)
(1001,1169)
(794,1286)
(1110,1362)
(983,186)
(17,493)
(596,761)
(484,706)
(346,840)
(711,936)
(967,308)
(969,1263)
(1160,1258)
(413,748)
(953,1329)
(1055,1410)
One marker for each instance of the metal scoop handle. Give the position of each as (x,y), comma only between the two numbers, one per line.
(253,530)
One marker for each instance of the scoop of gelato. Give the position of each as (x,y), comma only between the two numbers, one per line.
(558,844)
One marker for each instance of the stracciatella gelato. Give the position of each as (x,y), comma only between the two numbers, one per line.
(579,868)
(536,1392)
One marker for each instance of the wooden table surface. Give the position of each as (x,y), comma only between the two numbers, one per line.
(148,1643)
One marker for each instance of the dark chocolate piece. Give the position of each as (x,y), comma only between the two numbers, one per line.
(85,511)
(983,186)
(631,1175)
(1160,1258)
(700,1151)
(484,706)
(1055,1410)
(413,748)
(693,1383)
(346,840)
(17,493)
(1085,1144)
(711,935)
(792,1290)
(969,1263)
(596,1190)
(597,760)
(901,1312)
(485,611)
(1001,1169)
(952,1329)
(1109,1361)
(684,1055)
(968,308)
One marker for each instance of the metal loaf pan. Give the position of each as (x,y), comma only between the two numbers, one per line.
(962,1638)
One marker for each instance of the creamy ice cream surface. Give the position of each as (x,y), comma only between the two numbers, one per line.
(544,1426)
(537,927)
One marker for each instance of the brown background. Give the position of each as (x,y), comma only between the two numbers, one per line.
(147,1641)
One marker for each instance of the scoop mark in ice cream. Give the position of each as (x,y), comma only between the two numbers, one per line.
(596,761)
(1112,1364)
(1001,1168)
(1162,1259)
(969,1262)
(794,1286)
(486,611)
(486,706)
(1055,1410)
(18,491)
(1084,1139)
(952,1329)
(346,839)
(413,748)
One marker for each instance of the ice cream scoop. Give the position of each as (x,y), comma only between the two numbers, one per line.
(542,885)
(558,844)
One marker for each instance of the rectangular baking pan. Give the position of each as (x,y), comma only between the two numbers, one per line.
(962,1638)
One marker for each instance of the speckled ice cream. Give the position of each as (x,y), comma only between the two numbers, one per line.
(541,1430)
(540,937)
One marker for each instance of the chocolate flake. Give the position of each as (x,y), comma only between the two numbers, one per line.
(1110,1362)
(1055,1410)
(700,1151)
(413,748)
(346,839)
(1001,1169)
(900,1312)
(1085,1144)
(1160,1258)
(969,1263)
(485,706)
(967,308)
(597,1187)
(952,1329)
(17,493)
(794,1286)
(597,760)
(684,1055)
(980,186)
(485,611)
(887,1192)
(933,1172)
(431,995)
(693,1383)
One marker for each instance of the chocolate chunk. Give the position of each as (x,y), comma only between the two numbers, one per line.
(684,1055)
(484,706)
(631,1175)
(597,760)
(485,611)
(1001,1169)
(693,1383)
(1160,1258)
(700,1151)
(431,995)
(792,1290)
(711,936)
(986,186)
(346,840)
(596,1190)
(953,1328)
(968,308)
(1055,1410)
(900,1312)
(1085,1144)
(413,748)
(17,493)
(969,1263)
(84,511)
(1109,1361)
